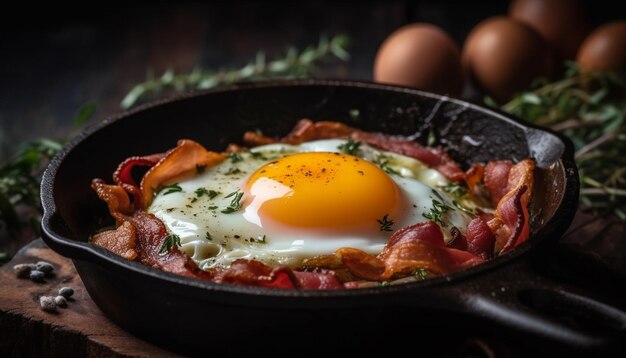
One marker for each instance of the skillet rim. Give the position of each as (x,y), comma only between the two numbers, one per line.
(557,224)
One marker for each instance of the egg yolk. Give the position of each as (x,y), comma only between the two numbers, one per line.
(321,190)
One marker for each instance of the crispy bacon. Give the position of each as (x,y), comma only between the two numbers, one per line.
(121,241)
(414,247)
(480,240)
(250,272)
(510,223)
(124,178)
(186,158)
(496,178)
(144,240)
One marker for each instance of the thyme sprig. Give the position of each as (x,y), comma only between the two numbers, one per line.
(20,177)
(235,203)
(169,242)
(350,147)
(591,110)
(293,64)
(438,210)
(385,223)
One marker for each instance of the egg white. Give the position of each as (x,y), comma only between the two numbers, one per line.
(213,238)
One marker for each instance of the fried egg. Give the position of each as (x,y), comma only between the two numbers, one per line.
(281,204)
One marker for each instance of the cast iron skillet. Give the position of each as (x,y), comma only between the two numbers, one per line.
(194,316)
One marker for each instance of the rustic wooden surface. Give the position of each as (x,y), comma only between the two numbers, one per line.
(79,330)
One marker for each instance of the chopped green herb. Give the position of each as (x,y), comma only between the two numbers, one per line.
(169,242)
(350,147)
(385,223)
(462,208)
(455,188)
(212,207)
(437,211)
(235,157)
(383,284)
(383,162)
(193,200)
(421,273)
(169,189)
(232,171)
(208,236)
(200,168)
(235,203)
(258,155)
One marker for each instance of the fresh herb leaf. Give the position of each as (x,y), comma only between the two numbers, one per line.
(235,203)
(383,284)
(169,189)
(590,109)
(437,211)
(20,178)
(84,113)
(235,157)
(232,171)
(350,147)
(203,191)
(169,242)
(383,162)
(455,188)
(293,65)
(462,208)
(421,273)
(258,155)
(385,223)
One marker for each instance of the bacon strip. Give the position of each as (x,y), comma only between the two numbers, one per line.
(480,239)
(121,241)
(417,246)
(250,272)
(510,223)
(432,157)
(496,177)
(145,239)
(186,158)
(124,178)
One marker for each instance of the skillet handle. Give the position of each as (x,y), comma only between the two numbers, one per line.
(552,314)
(539,318)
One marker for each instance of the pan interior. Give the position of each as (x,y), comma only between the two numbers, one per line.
(470,134)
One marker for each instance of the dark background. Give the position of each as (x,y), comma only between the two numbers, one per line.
(53,59)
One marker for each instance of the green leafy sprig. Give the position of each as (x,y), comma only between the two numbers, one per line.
(590,109)
(20,178)
(293,65)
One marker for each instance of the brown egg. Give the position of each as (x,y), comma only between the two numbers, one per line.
(604,49)
(503,56)
(421,56)
(562,23)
